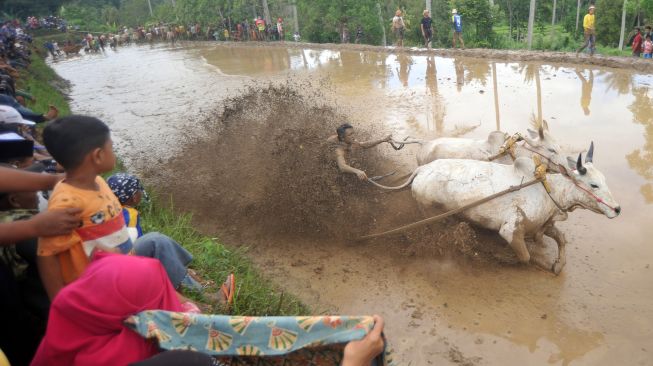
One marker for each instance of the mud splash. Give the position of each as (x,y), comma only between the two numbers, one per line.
(269,166)
(271,169)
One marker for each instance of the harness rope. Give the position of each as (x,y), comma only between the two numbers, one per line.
(452,212)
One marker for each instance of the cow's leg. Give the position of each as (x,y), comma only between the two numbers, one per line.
(513,232)
(560,239)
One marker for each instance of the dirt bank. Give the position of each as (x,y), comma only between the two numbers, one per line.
(548,57)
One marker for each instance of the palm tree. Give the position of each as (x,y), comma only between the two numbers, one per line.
(577,15)
(553,16)
(266,12)
(623,26)
(531,20)
(619,81)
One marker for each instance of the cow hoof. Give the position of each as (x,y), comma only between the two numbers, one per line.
(557,267)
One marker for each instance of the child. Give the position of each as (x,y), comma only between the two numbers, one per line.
(83,146)
(129,191)
(173,256)
(648,47)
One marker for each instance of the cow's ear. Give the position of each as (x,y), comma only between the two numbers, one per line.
(571,162)
(533,134)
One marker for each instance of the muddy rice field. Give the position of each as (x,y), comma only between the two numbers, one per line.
(237,136)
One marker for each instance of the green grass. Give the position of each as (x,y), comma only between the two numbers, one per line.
(38,81)
(255,295)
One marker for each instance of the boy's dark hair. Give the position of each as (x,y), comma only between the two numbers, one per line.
(341,130)
(637,29)
(69,139)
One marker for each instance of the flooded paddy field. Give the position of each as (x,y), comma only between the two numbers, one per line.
(236,136)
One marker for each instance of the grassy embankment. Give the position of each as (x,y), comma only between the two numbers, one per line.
(255,295)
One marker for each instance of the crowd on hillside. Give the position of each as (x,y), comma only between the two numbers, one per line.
(47,22)
(76,264)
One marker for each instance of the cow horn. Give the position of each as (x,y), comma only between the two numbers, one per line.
(579,165)
(540,131)
(590,154)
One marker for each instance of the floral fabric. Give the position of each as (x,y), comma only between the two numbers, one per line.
(242,340)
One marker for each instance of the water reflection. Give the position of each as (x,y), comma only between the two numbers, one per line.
(419,90)
(641,160)
(586,91)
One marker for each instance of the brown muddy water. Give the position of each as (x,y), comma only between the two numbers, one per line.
(440,309)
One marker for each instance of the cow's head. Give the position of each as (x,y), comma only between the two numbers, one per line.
(595,195)
(542,142)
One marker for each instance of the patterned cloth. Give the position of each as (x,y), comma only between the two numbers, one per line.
(124,186)
(307,340)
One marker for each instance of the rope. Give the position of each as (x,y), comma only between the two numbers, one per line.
(406,184)
(452,212)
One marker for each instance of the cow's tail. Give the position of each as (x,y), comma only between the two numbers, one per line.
(406,184)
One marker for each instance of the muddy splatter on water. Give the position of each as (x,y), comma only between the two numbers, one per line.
(270,166)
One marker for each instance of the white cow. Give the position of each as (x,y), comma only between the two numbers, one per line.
(461,148)
(530,212)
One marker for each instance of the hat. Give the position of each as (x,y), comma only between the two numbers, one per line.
(454,11)
(10,115)
(125,186)
(14,146)
(592,7)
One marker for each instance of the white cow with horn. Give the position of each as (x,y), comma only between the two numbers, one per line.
(538,143)
(529,212)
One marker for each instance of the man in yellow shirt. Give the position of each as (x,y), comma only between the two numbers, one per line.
(590,32)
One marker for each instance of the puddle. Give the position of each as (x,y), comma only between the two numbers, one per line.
(439,311)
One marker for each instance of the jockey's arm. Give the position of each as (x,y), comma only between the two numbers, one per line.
(346,168)
(372,143)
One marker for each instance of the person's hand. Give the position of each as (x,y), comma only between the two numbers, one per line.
(56,222)
(53,113)
(363,352)
(361,175)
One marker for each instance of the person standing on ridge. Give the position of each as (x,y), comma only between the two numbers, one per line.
(457,23)
(590,32)
(427,28)
(398,27)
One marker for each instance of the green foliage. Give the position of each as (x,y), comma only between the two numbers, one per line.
(608,21)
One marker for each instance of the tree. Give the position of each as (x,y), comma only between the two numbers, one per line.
(531,20)
(608,21)
(623,26)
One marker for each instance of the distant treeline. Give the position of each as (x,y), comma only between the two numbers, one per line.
(487,23)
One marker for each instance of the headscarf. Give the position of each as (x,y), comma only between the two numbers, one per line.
(124,186)
(85,325)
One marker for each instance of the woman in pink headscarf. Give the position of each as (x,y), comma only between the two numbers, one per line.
(85,326)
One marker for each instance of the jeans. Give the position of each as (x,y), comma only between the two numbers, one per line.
(172,256)
(590,40)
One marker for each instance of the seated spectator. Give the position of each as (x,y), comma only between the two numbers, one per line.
(86,318)
(12,121)
(83,146)
(21,290)
(173,256)
(26,113)
(86,325)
